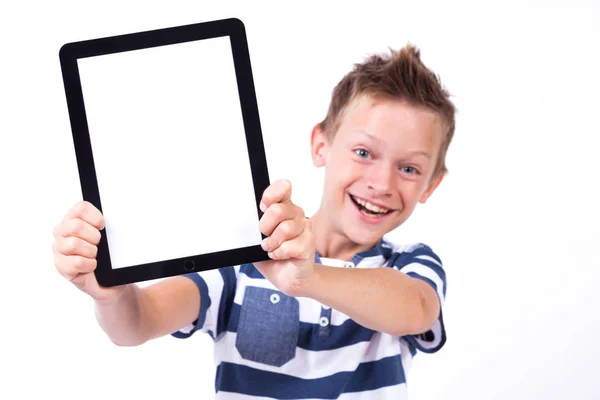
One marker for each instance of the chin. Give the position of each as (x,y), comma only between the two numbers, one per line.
(369,240)
(363,235)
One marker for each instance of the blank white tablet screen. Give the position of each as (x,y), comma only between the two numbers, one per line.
(170,152)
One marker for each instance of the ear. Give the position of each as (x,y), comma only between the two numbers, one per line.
(319,146)
(435,182)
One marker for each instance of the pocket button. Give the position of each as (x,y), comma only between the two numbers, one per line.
(275,298)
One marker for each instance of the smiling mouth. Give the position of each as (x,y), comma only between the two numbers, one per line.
(368,209)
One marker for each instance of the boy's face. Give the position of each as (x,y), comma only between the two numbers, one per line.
(378,166)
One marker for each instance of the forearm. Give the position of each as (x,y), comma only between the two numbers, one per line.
(137,315)
(121,317)
(381,299)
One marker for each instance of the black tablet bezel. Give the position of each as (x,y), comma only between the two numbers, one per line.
(71,52)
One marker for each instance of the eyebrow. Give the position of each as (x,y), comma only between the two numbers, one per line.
(376,139)
(420,153)
(372,137)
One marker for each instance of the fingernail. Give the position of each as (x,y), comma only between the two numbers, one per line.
(264,246)
(263,208)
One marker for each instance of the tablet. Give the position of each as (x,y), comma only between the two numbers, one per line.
(169,148)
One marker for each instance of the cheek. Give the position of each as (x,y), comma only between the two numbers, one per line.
(338,183)
(342,173)
(409,192)
(416,193)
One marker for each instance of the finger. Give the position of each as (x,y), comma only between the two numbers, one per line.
(78,228)
(88,212)
(278,192)
(297,248)
(74,246)
(276,214)
(286,230)
(71,266)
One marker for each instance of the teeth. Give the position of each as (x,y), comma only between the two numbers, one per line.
(370,214)
(371,207)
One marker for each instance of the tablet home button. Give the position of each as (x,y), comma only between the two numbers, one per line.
(189,265)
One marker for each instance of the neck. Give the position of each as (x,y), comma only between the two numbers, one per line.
(330,242)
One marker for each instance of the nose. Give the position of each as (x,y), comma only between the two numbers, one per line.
(380,181)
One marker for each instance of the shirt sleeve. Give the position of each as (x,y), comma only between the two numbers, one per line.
(217,290)
(420,262)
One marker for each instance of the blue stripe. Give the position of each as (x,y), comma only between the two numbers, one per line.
(227,296)
(377,250)
(251,271)
(441,341)
(325,331)
(254,382)
(346,334)
(402,258)
(428,263)
(387,248)
(413,349)
(205,303)
(424,250)
(439,271)
(317,258)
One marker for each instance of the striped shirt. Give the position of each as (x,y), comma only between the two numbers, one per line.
(273,346)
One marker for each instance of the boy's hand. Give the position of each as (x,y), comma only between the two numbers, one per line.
(75,249)
(289,241)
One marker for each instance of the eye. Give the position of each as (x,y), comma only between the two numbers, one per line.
(362,153)
(410,170)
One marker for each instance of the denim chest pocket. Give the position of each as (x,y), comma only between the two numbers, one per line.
(268,326)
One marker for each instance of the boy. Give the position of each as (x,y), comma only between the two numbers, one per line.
(338,311)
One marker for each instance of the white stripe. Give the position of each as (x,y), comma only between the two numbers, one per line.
(427,272)
(437,336)
(310,310)
(323,363)
(237,396)
(409,248)
(406,356)
(244,280)
(429,258)
(187,329)
(333,262)
(372,262)
(396,392)
(368,262)
(214,282)
(338,318)
(399,248)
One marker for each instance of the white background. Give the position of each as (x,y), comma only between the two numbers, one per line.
(516,221)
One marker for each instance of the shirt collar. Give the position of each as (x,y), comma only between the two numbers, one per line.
(381,248)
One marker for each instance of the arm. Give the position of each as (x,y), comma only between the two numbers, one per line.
(137,315)
(381,299)
(128,314)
